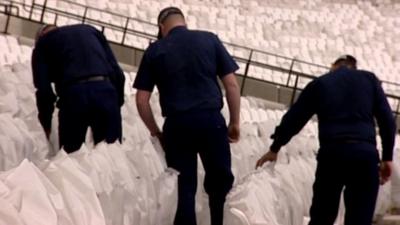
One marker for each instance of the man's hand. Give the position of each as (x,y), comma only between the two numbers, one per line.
(385,171)
(269,156)
(233,133)
(146,113)
(233,98)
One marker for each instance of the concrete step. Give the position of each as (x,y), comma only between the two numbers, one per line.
(390,220)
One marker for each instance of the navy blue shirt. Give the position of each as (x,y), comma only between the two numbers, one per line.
(346,102)
(184,66)
(66,55)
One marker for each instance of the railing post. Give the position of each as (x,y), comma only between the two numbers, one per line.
(246,71)
(295,84)
(14,7)
(84,15)
(31,12)
(8,13)
(290,71)
(55,18)
(43,11)
(125,29)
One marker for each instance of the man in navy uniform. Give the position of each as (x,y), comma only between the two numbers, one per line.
(346,101)
(89,84)
(184,65)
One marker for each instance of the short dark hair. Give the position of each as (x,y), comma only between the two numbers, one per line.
(348,60)
(42,30)
(166,12)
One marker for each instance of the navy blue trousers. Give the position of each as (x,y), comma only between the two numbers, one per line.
(92,104)
(203,133)
(353,167)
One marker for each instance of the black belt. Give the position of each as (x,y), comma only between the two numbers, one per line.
(91,78)
(347,141)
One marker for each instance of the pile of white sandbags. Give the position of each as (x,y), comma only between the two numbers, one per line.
(105,185)
(395,189)
(21,134)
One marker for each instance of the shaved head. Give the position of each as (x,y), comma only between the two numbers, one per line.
(169,18)
(44,30)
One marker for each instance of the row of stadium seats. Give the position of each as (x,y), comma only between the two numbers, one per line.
(12,52)
(311,30)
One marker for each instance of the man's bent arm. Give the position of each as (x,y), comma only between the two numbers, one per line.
(145,111)
(233,97)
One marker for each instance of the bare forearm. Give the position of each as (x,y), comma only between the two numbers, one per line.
(233,99)
(146,114)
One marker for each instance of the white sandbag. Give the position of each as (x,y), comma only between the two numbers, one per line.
(9,103)
(395,179)
(233,216)
(291,195)
(123,194)
(17,132)
(119,163)
(9,77)
(115,202)
(23,72)
(34,205)
(33,123)
(244,155)
(130,181)
(156,168)
(97,171)
(8,213)
(112,204)
(383,201)
(82,157)
(28,143)
(53,189)
(159,150)
(306,220)
(27,106)
(41,150)
(78,191)
(103,165)
(144,194)
(8,154)
(254,198)
(146,162)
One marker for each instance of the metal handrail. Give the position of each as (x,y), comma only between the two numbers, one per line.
(8,9)
(151,36)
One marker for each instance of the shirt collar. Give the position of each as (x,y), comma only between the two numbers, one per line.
(177,29)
